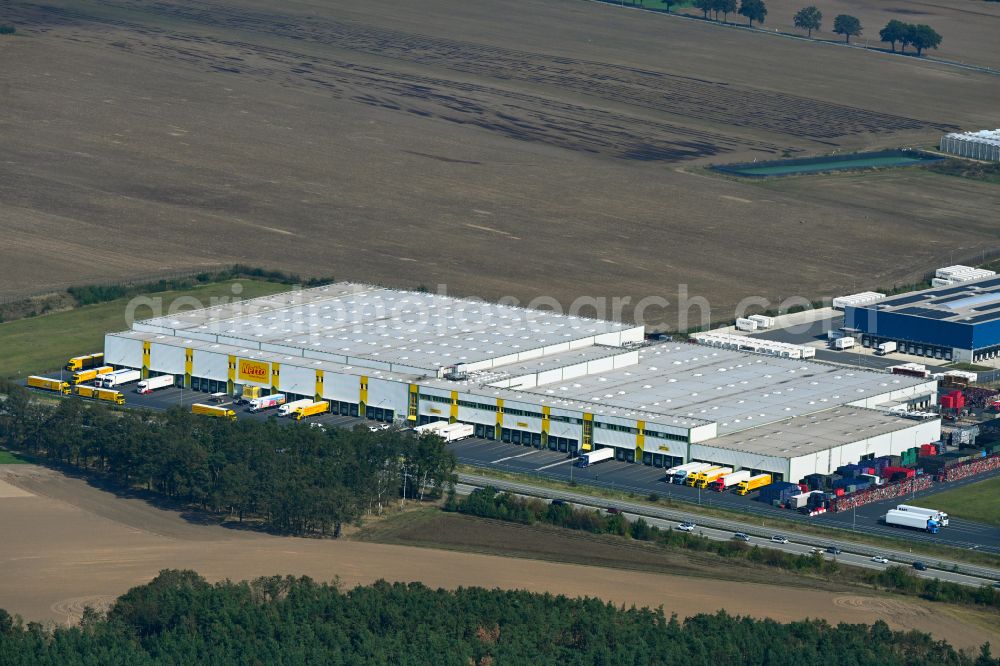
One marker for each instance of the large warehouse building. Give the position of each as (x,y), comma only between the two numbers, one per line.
(535,378)
(959,322)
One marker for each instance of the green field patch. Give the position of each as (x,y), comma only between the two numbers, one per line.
(827,163)
(8,458)
(977,501)
(44,343)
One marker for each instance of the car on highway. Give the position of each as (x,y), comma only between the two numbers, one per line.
(777,538)
(614,511)
(558,502)
(687,527)
(833,550)
(740,536)
(919,566)
(881,559)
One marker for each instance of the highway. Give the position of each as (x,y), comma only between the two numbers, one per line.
(715,528)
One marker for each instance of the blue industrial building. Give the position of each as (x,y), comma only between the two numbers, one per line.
(955,323)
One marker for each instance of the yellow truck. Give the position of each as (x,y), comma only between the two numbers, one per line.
(753,483)
(706,478)
(95,393)
(250,392)
(85,362)
(321,407)
(212,410)
(81,376)
(693,478)
(47,384)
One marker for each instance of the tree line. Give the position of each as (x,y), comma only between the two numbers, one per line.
(179,618)
(920,36)
(291,477)
(489,503)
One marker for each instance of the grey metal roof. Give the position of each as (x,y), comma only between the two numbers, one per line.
(964,303)
(418,329)
(812,433)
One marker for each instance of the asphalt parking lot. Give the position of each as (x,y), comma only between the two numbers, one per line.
(644,481)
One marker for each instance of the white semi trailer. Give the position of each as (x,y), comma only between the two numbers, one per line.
(940,516)
(289,408)
(593,457)
(153,383)
(917,521)
(118,378)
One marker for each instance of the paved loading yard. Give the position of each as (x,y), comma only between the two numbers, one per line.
(629,477)
(645,480)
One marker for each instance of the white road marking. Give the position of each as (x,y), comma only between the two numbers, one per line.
(519,455)
(561,462)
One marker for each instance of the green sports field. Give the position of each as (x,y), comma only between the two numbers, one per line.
(41,344)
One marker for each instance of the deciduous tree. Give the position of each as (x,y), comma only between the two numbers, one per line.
(808,18)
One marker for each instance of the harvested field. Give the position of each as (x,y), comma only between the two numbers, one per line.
(545,154)
(70,545)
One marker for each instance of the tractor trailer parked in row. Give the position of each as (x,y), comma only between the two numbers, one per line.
(266,402)
(289,408)
(705,478)
(682,473)
(312,409)
(153,383)
(449,432)
(118,378)
(753,483)
(85,362)
(96,393)
(723,483)
(917,521)
(81,376)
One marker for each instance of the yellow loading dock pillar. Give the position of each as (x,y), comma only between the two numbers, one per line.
(145,360)
(453,414)
(499,426)
(188,366)
(640,440)
(413,403)
(231,378)
(546,421)
(276,378)
(588,432)
(319,386)
(363,396)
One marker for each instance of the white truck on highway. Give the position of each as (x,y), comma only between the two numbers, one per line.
(289,408)
(940,516)
(918,521)
(117,378)
(593,457)
(885,348)
(266,402)
(149,385)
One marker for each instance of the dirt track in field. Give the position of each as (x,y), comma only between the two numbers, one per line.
(555,152)
(69,545)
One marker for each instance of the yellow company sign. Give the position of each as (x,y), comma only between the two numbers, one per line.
(254,371)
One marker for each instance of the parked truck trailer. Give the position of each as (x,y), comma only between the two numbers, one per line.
(81,376)
(885,348)
(684,471)
(753,483)
(840,344)
(85,362)
(312,409)
(289,407)
(97,393)
(913,520)
(266,402)
(213,410)
(593,457)
(118,378)
(47,384)
(153,383)
(705,478)
(729,480)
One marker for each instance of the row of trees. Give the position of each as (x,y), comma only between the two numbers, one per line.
(488,503)
(810,18)
(293,478)
(921,36)
(179,618)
